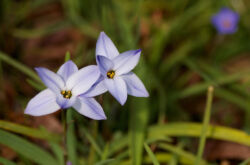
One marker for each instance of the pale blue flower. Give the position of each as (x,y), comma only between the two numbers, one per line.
(226,21)
(65,89)
(116,76)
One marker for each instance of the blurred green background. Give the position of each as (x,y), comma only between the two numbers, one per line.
(182,55)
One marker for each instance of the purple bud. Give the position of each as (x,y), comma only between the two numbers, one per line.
(68,163)
(225,21)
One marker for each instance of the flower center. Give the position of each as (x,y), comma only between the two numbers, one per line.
(111,74)
(66,94)
(226,24)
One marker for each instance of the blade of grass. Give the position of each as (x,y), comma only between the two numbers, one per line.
(246,162)
(199,88)
(27,131)
(137,128)
(151,154)
(118,145)
(27,149)
(36,33)
(58,151)
(71,138)
(189,129)
(173,160)
(92,151)
(205,125)
(19,66)
(105,152)
(103,162)
(181,153)
(92,141)
(34,84)
(4,161)
(162,158)
(139,120)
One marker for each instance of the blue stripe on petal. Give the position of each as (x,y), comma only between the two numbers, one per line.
(105,47)
(104,64)
(97,89)
(67,69)
(82,81)
(50,79)
(89,107)
(134,85)
(126,61)
(117,88)
(42,104)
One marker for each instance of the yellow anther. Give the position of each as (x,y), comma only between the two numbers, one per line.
(66,94)
(111,74)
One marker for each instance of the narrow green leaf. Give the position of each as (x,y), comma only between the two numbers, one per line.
(103,162)
(151,154)
(67,56)
(205,125)
(34,84)
(92,141)
(58,151)
(162,158)
(118,145)
(39,32)
(71,139)
(27,149)
(173,160)
(105,152)
(190,129)
(27,131)
(19,66)
(177,56)
(4,161)
(139,120)
(180,152)
(199,88)
(246,162)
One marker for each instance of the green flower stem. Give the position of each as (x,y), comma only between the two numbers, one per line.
(64,125)
(205,125)
(64,119)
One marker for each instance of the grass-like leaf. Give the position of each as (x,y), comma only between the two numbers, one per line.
(27,131)
(180,152)
(190,129)
(19,66)
(246,162)
(71,138)
(151,154)
(27,149)
(205,125)
(4,161)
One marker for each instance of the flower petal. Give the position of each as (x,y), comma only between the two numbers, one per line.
(117,88)
(106,47)
(50,79)
(126,61)
(65,103)
(82,80)
(134,85)
(67,69)
(104,64)
(97,89)
(42,104)
(89,107)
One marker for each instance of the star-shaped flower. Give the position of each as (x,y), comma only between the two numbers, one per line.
(226,21)
(65,89)
(115,68)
